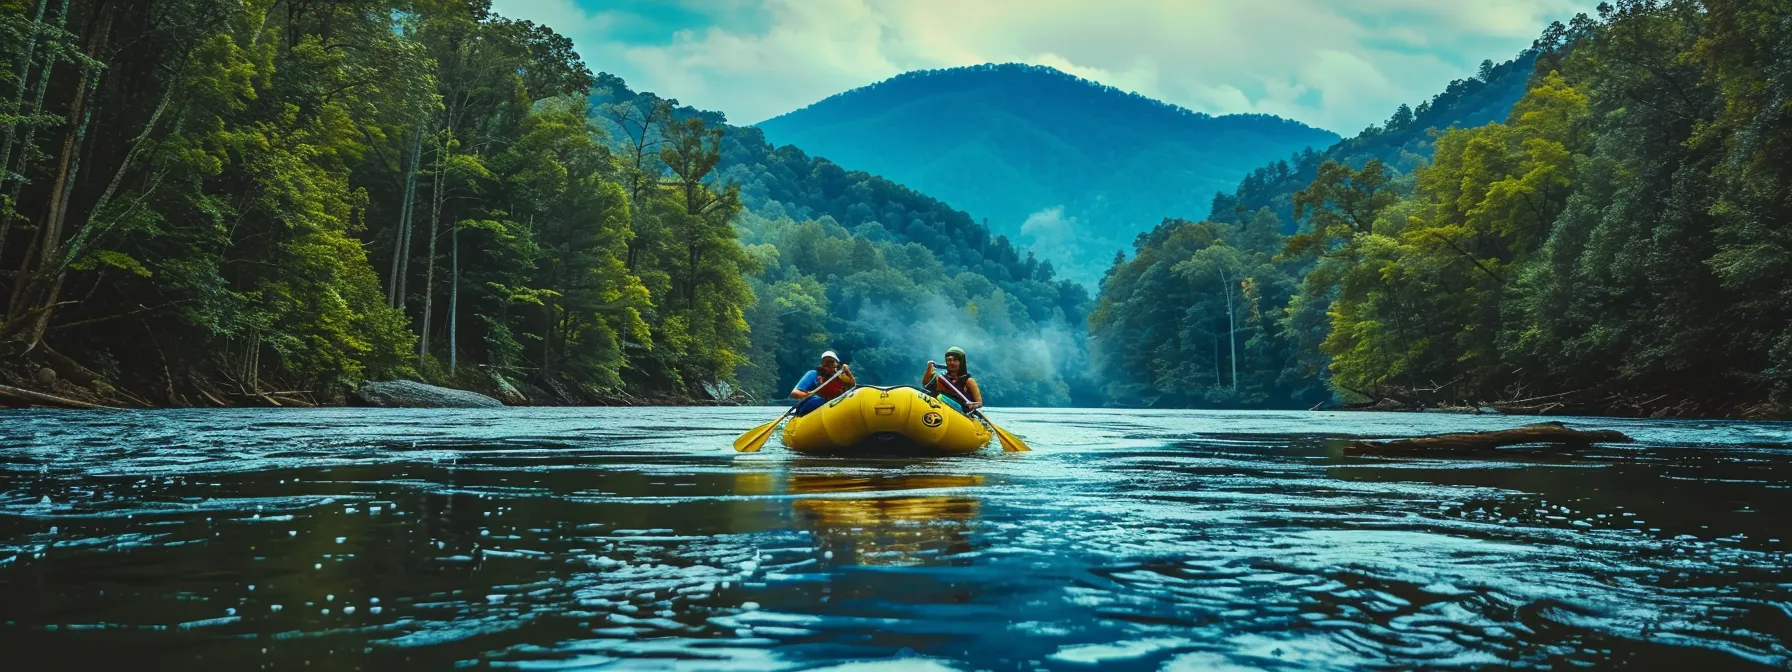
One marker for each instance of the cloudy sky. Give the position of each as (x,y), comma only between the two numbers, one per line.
(1340,65)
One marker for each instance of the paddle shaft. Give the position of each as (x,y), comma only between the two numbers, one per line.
(1009,441)
(817,389)
(761,435)
(961,395)
(799,402)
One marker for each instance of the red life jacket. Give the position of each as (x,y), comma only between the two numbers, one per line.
(834,388)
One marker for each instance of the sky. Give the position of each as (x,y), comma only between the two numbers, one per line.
(1335,64)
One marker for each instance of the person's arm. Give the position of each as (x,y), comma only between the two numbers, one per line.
(808,381)
(846,376)
(976,395)
(927,376)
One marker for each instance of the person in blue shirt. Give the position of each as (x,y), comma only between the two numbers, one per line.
(813,398)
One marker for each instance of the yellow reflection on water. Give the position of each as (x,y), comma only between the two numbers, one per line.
(848,516)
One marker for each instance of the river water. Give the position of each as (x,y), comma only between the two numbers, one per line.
(637,539)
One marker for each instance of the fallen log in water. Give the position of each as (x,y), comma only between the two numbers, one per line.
(1553,434)
(41,399)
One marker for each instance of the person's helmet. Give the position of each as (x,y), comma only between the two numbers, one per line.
(955,350)
(830,355)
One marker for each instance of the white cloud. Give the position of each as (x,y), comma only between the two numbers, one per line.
(1049,224)
(1335,65)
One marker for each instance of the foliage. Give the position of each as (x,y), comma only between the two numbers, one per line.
(1621,234)
(1402,144)
(227,198)
(199,186)
(1197,318)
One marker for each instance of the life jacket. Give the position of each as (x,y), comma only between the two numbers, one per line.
(937,387)
(834,388)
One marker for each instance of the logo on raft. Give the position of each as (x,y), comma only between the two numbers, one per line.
(932,419)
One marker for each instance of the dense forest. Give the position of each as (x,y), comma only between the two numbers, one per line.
(267,202)
(886,276)
(227,202)
(1070,168)
(222,201)
(1618,243)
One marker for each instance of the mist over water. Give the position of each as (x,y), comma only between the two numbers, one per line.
(577,538)
(1039,361)
(889,308)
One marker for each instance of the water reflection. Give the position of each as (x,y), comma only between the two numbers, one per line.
(870,518)
(884,520)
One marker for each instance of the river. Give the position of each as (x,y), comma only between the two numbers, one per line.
(339,539)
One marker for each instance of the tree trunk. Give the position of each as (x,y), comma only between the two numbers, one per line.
(690,290)
(1218,379)
(1231,330)
(99,227)
(401,236)
(634,239)
(547,340)
(49,246)
(1553,433)
(18,98)
(39,398)
(18,186)
(429,276)
(454,295)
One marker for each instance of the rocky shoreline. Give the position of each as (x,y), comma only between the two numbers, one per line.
(373,394)
(51,391)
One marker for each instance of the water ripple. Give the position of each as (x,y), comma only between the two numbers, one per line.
(581,538)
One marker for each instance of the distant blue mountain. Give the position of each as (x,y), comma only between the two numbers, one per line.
(1071,168)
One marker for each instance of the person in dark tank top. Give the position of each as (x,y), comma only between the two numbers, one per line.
(966,397)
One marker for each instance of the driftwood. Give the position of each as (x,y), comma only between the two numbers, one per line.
(412,394)
(39,398)
(1553,434)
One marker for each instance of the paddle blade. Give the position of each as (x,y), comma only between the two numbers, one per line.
(755,438)
(1010,442)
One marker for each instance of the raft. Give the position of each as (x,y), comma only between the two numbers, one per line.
(899,419)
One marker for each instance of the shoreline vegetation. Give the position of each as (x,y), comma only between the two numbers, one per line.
(268,203)
(1598,227)
(1576,405)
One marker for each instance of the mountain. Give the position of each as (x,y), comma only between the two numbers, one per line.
(1403,143)
(881,273)
(1070,168)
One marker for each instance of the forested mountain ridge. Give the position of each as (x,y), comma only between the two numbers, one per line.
(1616,245)
(1403,143)
(883,274)
(1067,167)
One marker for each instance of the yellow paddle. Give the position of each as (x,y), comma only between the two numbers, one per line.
(756,437)
(1010,442)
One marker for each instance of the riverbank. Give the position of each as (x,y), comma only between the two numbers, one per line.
(49,389)
(1581,404)
(62,387)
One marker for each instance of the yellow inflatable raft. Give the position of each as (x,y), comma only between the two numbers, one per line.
(885,419)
